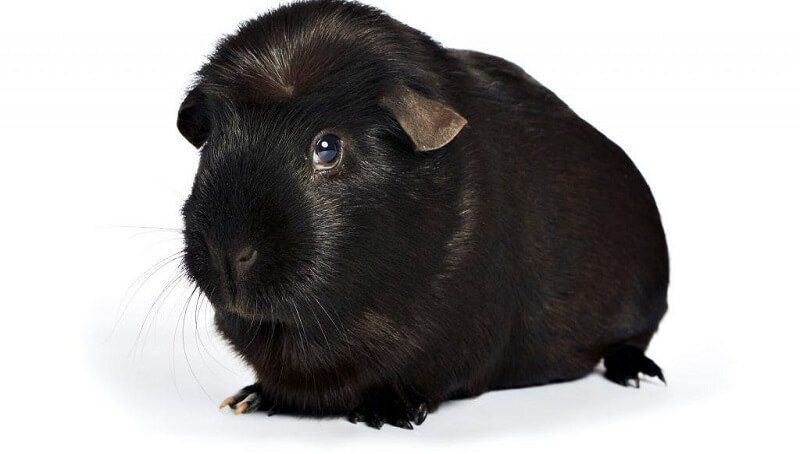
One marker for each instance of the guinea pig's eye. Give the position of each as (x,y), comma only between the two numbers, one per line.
(327,152)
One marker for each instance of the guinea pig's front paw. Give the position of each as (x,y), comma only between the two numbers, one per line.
(246,400)
(388,408)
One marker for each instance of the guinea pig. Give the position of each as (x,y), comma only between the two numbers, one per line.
(382,224)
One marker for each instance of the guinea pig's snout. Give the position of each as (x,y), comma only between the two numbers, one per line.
(232,264)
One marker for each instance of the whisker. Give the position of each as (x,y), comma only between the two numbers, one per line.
(272,327)
(206,323)
(255,332)
(198,336)
(334,323)
(321,328)
(128,297)
(304,340)
(142,227)
(185,353)
(302,332)
(165,292)
(182,276)
(173,362)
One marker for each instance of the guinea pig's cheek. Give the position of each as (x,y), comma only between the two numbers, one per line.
(327,229)
(195,257)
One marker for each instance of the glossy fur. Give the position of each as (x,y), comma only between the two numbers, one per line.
(523,252)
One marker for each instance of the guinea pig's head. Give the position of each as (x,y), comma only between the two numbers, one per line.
(326,174)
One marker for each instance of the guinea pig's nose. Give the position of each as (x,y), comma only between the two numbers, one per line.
(232,262)
(243,259)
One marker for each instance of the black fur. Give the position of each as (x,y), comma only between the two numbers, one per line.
(518,254)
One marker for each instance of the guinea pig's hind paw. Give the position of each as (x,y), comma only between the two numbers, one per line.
(625,362)
(247,400)
(376,413)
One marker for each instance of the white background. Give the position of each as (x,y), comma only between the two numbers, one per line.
(704,96)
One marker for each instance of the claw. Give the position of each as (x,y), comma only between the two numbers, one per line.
(403,424)
(245,401)
(227,402)
(375,423)
(420,414)
(250,403)
(241,408)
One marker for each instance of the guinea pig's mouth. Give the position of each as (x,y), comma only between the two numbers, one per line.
(244,307)
(244,311)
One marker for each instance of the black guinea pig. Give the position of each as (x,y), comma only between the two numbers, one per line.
(382,224)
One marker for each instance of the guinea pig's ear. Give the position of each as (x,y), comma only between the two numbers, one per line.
(429,123)
(192,119)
